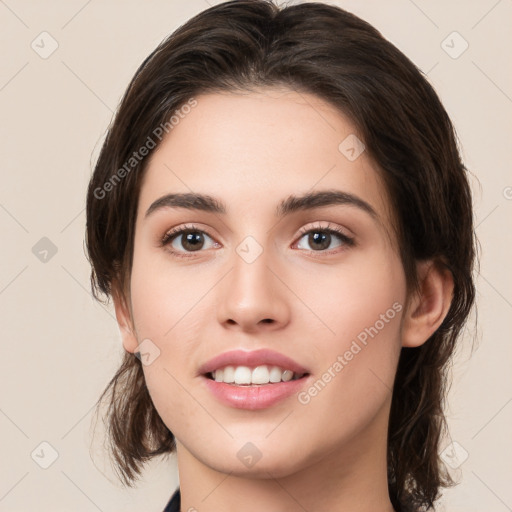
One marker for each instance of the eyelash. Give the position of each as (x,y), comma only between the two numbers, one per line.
(174,233)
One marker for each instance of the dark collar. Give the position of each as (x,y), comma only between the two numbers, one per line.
(174,502)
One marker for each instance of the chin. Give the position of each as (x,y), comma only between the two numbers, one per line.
(259,459)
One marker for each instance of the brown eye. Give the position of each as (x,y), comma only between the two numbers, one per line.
(186,240)
(320,239)
(192,241)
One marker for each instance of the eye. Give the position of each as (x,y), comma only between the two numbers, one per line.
(190,238)
(320,238)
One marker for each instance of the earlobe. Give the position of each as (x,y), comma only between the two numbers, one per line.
(124,320)
(429,306)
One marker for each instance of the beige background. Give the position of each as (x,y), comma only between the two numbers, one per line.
(60,348)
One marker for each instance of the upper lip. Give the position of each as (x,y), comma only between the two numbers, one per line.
(252,358)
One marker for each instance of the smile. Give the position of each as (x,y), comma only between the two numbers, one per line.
(260,375)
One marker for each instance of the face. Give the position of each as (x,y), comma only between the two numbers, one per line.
(296,259)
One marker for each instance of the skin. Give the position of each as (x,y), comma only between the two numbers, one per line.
(251,150)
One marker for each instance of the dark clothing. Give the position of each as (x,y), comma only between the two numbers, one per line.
(174,502)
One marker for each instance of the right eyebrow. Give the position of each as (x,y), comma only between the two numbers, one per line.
(190,201)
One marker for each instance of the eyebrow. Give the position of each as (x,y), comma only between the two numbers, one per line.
(292,204)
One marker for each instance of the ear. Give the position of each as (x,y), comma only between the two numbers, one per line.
(428,306)
(124,319)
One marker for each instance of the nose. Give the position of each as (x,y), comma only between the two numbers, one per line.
(253,296)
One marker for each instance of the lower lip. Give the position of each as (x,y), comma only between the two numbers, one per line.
(254,397)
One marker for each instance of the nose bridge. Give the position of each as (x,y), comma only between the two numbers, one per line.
(252,294)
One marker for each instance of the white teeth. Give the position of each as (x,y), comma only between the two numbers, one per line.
(229,374)
(287,375)
(275,374)
(260,375)
(243,375)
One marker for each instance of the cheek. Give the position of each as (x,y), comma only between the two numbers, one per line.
(357,360)
(365,293)
(169,310)
(165,298)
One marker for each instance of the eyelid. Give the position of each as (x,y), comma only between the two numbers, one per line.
(344,232)
(179,230)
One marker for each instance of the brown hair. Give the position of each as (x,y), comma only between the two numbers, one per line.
(323,50)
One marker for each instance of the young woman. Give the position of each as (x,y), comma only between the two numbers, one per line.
(283,220)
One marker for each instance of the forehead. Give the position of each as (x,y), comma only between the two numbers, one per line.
(252,149)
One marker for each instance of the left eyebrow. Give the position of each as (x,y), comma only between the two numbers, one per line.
(313,200)
(292,204)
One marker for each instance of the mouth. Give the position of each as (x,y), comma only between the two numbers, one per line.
(253,388)
(252,380)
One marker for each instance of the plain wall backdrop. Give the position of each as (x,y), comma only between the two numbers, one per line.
(65,66)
